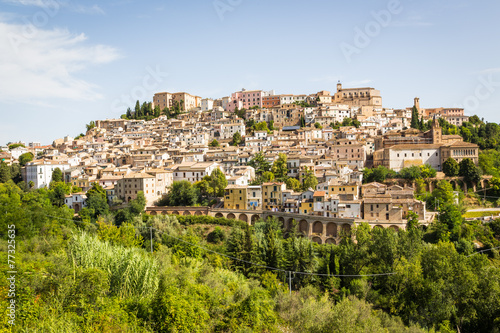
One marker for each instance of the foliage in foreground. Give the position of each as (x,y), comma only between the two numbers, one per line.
(83,276)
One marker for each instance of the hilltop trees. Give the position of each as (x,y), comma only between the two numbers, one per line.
(143,111)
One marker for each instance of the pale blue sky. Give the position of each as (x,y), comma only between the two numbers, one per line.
(65,63)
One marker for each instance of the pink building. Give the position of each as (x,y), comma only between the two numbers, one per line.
(247,99)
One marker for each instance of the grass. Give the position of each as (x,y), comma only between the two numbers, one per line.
(481,214)
(132,272)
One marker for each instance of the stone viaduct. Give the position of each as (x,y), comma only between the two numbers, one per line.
(319,229)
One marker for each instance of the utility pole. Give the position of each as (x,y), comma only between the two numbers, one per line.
(151,237)
(290,282)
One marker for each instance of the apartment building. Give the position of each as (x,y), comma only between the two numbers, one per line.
(194,171)
(130,185)
(40,171)
(247,99)
(272,195)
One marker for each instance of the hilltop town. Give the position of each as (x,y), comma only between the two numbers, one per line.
(295,157)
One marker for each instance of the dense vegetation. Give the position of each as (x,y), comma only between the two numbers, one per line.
(381,173)
(145,111)
(205,274)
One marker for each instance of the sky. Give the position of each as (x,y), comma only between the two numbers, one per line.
(64,63)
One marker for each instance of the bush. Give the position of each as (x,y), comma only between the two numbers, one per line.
(216,236)
(205,219)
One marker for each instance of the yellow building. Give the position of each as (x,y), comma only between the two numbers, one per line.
(344,189)
(235,197)
(272,195)
(306,206)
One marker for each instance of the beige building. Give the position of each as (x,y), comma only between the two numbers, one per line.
(357,96)
(128,187)
(382,203)
(403,149)
(163,100)
(454,116)
(166,99)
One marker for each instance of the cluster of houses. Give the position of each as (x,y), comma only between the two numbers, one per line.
(127,156)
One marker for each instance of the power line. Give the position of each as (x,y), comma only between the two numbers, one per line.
(268,267)
(498,247)
(250,262)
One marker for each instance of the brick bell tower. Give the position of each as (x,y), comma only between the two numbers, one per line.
(436,131)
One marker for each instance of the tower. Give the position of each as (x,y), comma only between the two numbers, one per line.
(416,103)
(339,86)
(436,131)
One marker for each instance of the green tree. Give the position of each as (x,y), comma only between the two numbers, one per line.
(137,205)
(157,111)
(271,125)
(5,175)
(25,158)
(279,168)
(181,193)
(97,203)
(450,216)
(302,121)
(214,143)
(267,177)
(57,175)
(309,181)
(128,114)
(236,139)
(468,170)
(414,118)
(218,182)
(410,173)
(262,126)
(427,171)
(137,110)
(347,122)
(450,167)
(58,191)
(260,163)
(442,195)
(378,174)
(318,125)
(176,309)
(15,145)
(293,184)
(90,126)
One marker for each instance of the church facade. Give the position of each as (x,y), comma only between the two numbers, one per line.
(401,149)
